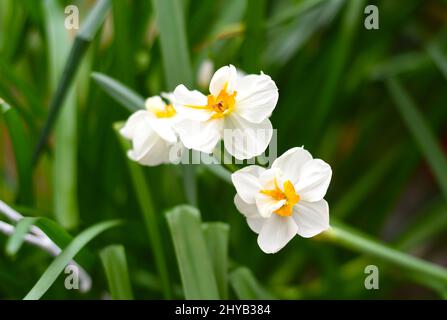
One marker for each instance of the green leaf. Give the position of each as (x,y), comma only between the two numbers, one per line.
(174,45)
(115,265)
(360,190)
(74,57)
(123,95)
(247,287)
(421,132)
(217,240)
(20,143)
(339,57)
(60,262)
(65,149)
(196,270)
(144,197)
(438,57)
(16,240)
(254,36)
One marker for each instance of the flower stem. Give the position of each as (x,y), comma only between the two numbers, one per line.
(350,238)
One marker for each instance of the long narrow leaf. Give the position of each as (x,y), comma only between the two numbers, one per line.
(15,242)
(74,58)
(217,240)
(247,287)
(420,131)
(58,265)
(123,95)
(65,150)
(193,260)
(115,265)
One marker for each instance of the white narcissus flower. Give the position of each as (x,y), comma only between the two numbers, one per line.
(286,199)
(240,105)
(151,131)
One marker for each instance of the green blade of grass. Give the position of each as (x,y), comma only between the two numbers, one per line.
(20,143)
(290,12)
(254,36)
(16,240)
(196,270)
(57,266)
(144,197)
(285,40)
(115,265)
(65,150)
(74,58)
(123,95)
(420,131)
(177,65)
(247,287)
(428,224)
(438,57)
(174,46)
(217,240)
(340,54)
(362,188)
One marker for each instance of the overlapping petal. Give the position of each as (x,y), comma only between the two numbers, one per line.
(275,233)
(311,218)
(257,96)
(245,140)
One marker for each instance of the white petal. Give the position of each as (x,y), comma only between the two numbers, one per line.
(246,182)
(267,205)
(245,140)
(267,179)
(155,103)
(291,162)
(247,209)
(276,232)
(128,130)
(226,78)
(250,211)
(313,181)
(163,127)
(201,136)
(256,224)
(157,154)
(189,103)
(148,148)
(311,218)
(256,97)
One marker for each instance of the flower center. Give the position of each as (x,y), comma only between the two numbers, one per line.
(288,194)
(222,105)
(167,112)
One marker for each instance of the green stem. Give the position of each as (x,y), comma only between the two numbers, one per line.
(352,239)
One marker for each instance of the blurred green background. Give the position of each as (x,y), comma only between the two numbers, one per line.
(371,103)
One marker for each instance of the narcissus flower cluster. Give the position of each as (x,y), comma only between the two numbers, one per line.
(286,199)
(278,202)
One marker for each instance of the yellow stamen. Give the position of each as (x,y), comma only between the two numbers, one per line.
(288,194)
(168,112)
(221,105)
